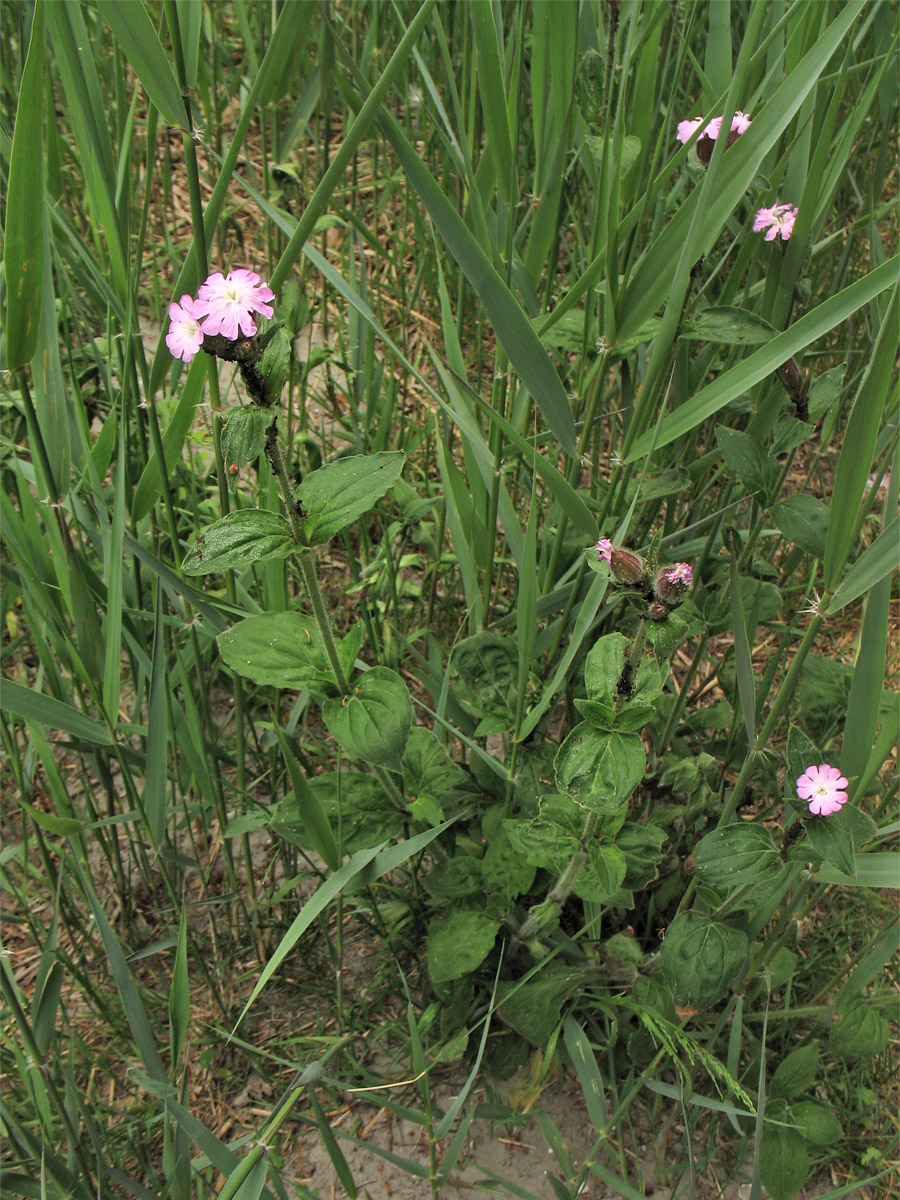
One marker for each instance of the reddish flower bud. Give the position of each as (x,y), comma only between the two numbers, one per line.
(627,566)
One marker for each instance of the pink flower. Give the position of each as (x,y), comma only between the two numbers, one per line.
(185,337)
(228,300)
(779,218)
(686,128)
(673,583)
(604,550)
(821,787)
(740,123)
(679,573)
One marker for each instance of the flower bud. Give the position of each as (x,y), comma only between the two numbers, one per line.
(657,611)
(673,583)
(626,566)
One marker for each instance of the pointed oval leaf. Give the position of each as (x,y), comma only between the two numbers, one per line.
(335,495)
(237,539)
(374,721)
(459,943)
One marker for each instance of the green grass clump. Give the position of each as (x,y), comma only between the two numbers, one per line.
(417,687)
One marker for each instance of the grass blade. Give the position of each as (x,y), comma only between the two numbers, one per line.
(143,50)
(858,443)
(765,361)
(23,239)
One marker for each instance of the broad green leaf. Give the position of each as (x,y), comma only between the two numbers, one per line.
(143,50)
(374,721)
(641,846)
(817,1123)
(238,539)
(458,944)
(488,666)
(280,648)
(244,435)
(602,875)
(337,494)
(552,837)
(804,521)
(750,463)
(23,237)
(727,326)
(701,958)
(860,1030)
(784,1163)
(737,854)
(796,1073)
(604,768)
(190,24)
(604,666)
(534,1008)
(346,800)
(833,843)
(764,362)
(504,870)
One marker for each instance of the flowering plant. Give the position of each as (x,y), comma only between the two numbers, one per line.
(223,306)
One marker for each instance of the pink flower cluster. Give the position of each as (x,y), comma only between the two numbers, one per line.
(223,306)
(740,123)
(779,219)
(604,550)
(822,788)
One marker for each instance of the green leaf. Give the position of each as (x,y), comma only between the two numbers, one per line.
(534,1009)
(345,800)
(310,810)
(151,481)
(766,361)
(514,332)
(238,539)
(46,1006)
(143,50)
(488,665)
(23,238)
(641,846)
(428,768)
(832,842)
(701,958)
(458,944)
(603,667)
(804,521)
(817,1123)
(737,854)
(860,1031)
(35,706)
(335,495)
(783,1163)
(604,768)
(750,463)
(881,558)
(727,326)
(872,871)
(796,1073)
(503,868)
(858,446)
(275,364)
(283,649)
(551,838)
(244,435)
(374,721)
(601,877)
(58,826)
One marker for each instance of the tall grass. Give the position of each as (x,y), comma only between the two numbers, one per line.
(491,253)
